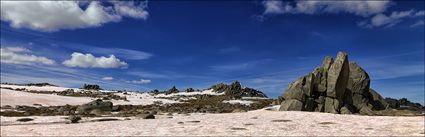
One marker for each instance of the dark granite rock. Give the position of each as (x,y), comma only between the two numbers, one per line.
(337,86)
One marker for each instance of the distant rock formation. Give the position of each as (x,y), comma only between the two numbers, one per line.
(190,90)
(237,91)
(234,90)
(172,90)
(91,87)
(403,104)
(337,86)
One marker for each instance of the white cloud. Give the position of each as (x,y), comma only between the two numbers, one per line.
(130,9)
(376,10)
(382,20)
(107,78)
(56,15)
(360,8)
(90,61)
(19,55)
(124,53)
(241,66)
(419,13)
(61,75)
(141,81)
(382,72)
(418,23)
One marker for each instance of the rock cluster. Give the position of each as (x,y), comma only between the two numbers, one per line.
(233,91)
(237,91)
(91,87)
(172,90)
(190,90)
(89,93)
(96,107)
(403,103)
(337,86)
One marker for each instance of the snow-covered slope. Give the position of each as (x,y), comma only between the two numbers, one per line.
(37,88)
(13,98)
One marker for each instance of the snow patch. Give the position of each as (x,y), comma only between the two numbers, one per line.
(273,108)
(205,92)
(243,102)
(135,98)
(254,98)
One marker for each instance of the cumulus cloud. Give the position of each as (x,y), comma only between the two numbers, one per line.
(56,15)
(360,8)
(382,20)
(107,78)
(90,61)
(141,81)
(19,55)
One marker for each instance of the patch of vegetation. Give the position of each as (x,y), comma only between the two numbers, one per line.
(238,128)
(326,123)
(105,119)
(24,119)
(281,120)
(9,113)
(194,121)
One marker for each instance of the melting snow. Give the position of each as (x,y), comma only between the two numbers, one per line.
(243,102)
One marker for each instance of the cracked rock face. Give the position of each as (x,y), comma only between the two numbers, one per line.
(337,86)
(338,75)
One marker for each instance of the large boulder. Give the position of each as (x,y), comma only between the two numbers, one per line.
(310,105)
(321,74)
(377,101)
(291,105)
(338,75)
(359,81)
(300,89)
(327,62)
(332,105)
(337,86)
(345,110)
(359,100)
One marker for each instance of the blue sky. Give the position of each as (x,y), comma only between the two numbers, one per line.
(158,44)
